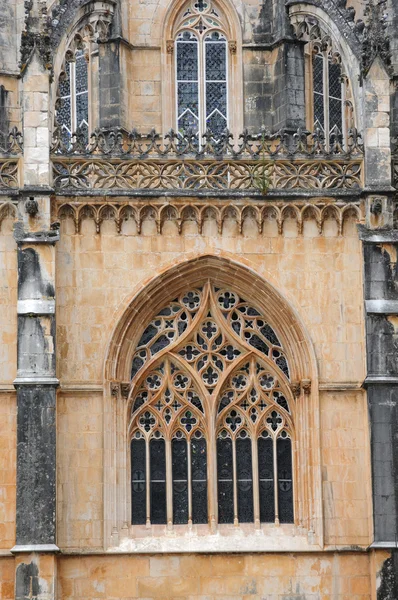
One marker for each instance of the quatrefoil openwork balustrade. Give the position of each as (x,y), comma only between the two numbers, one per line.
(211,394)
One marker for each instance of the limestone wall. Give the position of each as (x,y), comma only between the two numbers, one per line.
(274,577)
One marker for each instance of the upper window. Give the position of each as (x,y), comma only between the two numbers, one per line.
(201,70)
(212,415)
(72,110)
(329,104)
(73,93)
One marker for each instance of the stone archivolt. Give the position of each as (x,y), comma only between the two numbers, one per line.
(199,212)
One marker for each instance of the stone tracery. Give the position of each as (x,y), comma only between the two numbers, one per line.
(210,371)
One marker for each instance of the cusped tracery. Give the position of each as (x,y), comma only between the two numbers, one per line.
(210,382)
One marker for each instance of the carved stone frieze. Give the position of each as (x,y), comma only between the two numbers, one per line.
(180,175)
(199,212)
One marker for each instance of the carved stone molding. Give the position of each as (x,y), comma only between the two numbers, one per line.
(306,386)
(182,212)
(170,46)
(233,47)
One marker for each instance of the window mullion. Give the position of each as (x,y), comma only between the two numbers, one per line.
(189,468)
(202,88)
(235,482)
(73,96)
(212,476)
(169,485)
(276,482)
(343,112)
(326,97)
(148,484)
(256,485)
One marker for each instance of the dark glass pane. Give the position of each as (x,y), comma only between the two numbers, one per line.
(334,80)
(188,98)
(266,480)
(258,343)
(225,481)
(81,109)
(335,115)
(216,61)
(160,343)
(245,480)
(187,61)
(81,73)
(157,453)
(180,480)
(317,66)
(216,123)
(199,480)
(319,120)
(64,114)
(317,63)
(138,482)
(216,98)
(270,334)
(285,482)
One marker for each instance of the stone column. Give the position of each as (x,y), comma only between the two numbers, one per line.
(380,247)
(36,381)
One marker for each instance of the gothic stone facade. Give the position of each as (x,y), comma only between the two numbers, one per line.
(198,359)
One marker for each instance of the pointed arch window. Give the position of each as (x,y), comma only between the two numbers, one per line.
(212,415)
(201,70)
(72,106)
(330,109)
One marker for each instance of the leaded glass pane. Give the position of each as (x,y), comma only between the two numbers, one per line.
(158,481)
(266,479)
(225,481)
(317,65)
(244,480)
(216,58)
(216,86)
(81,73)
(334,80)
(335,115)
(285,479)
(188,100)
(63,114)
(180,480)
(187,57)
(138,481)
(199,480)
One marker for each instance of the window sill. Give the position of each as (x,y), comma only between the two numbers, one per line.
(270,538)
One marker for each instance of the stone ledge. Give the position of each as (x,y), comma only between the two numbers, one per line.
(36,307)
(29,548)
(386,307)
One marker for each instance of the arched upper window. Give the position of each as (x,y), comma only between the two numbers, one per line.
(72,106)
(212,415)
(201,69)
(329,103)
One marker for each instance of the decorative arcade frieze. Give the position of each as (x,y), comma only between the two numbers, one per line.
(115,160)
(181,212)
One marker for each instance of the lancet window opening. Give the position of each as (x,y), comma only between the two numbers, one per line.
(329,104)
(212,415)
(73,94)
(201,70)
